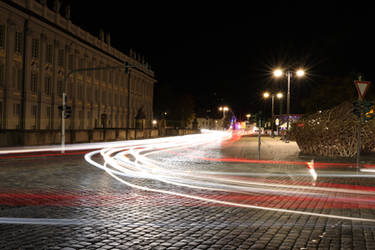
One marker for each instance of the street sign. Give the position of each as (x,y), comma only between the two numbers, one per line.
(362,87)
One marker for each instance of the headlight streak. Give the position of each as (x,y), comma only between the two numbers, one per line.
(142,167)
(219,201)
(212,177)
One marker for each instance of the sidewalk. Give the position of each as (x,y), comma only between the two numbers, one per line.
(277,149)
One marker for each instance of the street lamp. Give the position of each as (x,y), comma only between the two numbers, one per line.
(278,73)
(223,108)
(279,95)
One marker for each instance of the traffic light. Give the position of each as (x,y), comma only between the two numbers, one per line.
(68,111)
(365,107)
(368,108)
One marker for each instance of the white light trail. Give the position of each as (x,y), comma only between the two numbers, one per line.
(130,160)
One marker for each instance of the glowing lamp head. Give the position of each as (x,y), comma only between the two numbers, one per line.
(154,122)
(300,73)
(279,95)
(277,72)
(248,115)
(226,108)
(266,94)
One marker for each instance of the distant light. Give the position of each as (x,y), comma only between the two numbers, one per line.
(278,72)
(226,108)
(266,94)
(279,95)
(248,115)
(154,122)
(300,72)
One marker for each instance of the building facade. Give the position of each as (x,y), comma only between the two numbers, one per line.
(39,49)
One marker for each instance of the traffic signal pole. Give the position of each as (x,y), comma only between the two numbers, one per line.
(63,123)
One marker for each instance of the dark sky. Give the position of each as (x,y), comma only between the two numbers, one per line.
(227,50)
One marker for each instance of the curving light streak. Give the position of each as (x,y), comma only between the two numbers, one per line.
(131,161)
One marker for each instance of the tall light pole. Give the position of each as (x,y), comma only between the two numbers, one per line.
(278,95)
(289,74)
(225,108)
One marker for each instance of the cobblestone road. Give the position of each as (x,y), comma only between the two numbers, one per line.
(62,202)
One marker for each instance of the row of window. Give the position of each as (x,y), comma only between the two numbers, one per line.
(18,44)
(99,75)
(102,75)
(118,119)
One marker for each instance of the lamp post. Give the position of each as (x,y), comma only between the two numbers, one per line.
(279,96)
(289,74)
(223,108)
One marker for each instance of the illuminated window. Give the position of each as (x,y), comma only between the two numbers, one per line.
(18,48)
(2,73)
(80,90)
(59,87)
(2,36)
(48,85)
(34,110)
(80,114)
(35,48)
(97,74)
(89,73)
(49,54)
(17,114)
(16,109)
(60,59)
(1,115)
(103,97)
(70,62)
(49,117)
(34,82)
(17,77)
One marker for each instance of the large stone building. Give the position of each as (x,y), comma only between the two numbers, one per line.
(38,49)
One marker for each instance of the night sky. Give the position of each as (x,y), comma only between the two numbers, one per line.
(224,53)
